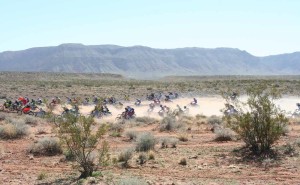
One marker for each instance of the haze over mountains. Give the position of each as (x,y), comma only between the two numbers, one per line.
(144,62)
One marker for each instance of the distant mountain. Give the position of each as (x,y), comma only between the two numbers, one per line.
(145,62)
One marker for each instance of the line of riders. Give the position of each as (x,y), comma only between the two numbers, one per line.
(24,105)
(33,107)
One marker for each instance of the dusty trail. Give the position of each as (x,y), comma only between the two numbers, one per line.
(207,106)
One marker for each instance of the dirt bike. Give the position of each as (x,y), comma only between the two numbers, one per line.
(151,107)
(25,110)
(129,115)
(137,103)
(230,112)
(40,113)
(98,114)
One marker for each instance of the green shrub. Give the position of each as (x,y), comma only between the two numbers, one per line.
(69,155)
(145,142)
(80,138)
(262,125)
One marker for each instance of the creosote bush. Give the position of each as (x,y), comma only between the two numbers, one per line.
(262,125)
(77,135)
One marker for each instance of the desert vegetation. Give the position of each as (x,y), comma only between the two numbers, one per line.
(259,144)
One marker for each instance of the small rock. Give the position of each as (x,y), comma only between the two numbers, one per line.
(31,157)
(193,157)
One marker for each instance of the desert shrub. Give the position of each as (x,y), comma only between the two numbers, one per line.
(115,134)
(142,158)
(2,116)
(285,130)
(125,156)
(214,120)
(116,129)
(46,146)
(151,155)
(145,142)
(69,155)
(145,120)
(132,181)
(168,142)
(183,138)
(79,137)
(104,155)
(262,125)
(30,120)
(289,149)
(41,130)
(169,123)
(224,134)
(13,130)
(41,176)
(200,116)
(131,134)
(183,162)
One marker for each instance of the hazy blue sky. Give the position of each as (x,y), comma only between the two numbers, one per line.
(261,27)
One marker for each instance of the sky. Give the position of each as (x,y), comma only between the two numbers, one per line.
(261,27)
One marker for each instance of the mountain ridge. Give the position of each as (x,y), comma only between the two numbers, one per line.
(146,62)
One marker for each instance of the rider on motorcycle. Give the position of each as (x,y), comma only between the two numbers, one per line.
(194,102)
(138,102)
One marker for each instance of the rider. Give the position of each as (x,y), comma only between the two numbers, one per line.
(166,109)
(233,96)
(298,105)
(167,97)
(105,109)
(39,101)
(76,108)
(138,102)
(162,108)
(7,103)
(194,102)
